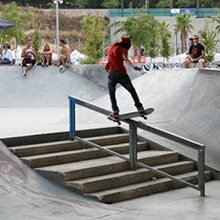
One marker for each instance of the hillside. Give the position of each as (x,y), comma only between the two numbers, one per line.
(69,26)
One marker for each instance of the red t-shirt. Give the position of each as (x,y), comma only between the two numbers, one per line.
(49,51)
(115,58)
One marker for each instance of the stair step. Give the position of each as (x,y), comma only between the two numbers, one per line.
(77,155)
(145,188)
(109,181)
(52,147)
(111,164)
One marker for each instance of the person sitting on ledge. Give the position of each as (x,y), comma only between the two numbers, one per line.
(7,55)
(196,54)
(46,55)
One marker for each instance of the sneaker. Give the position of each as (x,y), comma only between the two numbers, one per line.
(145,68)
(114,116)
(61,68)
(141,111)
(24,73)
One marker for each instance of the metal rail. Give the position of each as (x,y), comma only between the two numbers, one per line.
(133,125)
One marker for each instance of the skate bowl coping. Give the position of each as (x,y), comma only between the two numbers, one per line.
(133,160)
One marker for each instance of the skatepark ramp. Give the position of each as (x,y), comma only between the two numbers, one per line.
(186,103)
(43,87)
(100,173)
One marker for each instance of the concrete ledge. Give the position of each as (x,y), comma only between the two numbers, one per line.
(98,75)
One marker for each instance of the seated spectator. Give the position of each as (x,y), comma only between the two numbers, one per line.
(191,41)
(196,54)
(64,56)
(46,55)
(190,44)
(7,55)
(28,54)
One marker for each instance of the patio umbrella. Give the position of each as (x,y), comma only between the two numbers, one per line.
(5,24)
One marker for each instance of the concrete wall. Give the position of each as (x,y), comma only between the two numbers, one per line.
(98,75)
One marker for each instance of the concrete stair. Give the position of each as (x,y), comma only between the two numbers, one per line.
(58,146)
(99,175)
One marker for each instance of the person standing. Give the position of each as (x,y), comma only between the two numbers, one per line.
(64,56)
(117,54)
(7,55)
(196,53)
(28,54)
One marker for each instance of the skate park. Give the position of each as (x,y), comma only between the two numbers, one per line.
(185,101)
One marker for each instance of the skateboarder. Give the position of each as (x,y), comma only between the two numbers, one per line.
(118,53)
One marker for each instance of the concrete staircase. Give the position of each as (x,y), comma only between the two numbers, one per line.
(106,178)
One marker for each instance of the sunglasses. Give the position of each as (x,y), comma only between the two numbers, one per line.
(195,38)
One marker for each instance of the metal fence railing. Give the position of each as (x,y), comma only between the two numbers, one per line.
(199,12)
(133,160)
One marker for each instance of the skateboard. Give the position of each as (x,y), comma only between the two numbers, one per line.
(148,111)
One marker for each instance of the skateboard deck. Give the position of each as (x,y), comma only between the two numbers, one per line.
(148,111)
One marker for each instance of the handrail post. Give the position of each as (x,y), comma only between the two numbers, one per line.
(133,157)
(132,144)
(72,119)
(201,170)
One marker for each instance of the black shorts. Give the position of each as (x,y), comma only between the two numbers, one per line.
(49,61)
(25,61)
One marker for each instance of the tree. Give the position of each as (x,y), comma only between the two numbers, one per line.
(184,27)
(36,39)
(93,28)
(163,4)
(79,3)
(12,13)
(152,48)
(110,3)
(171,3)
(165,36)
(218,21)
(152,44)
(208,39)
(141,29)
(185,3)
(197,3)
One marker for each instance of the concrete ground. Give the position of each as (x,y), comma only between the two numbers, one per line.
(191,97)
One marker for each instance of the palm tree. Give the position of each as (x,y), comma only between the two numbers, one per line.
(208,35)
(184,27)
(171,3)
(141,29)
(218,21)
(197,3)
(185,3)
(165,36)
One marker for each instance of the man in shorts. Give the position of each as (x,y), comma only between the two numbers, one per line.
(28,54)
(64,56)
(196,54)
